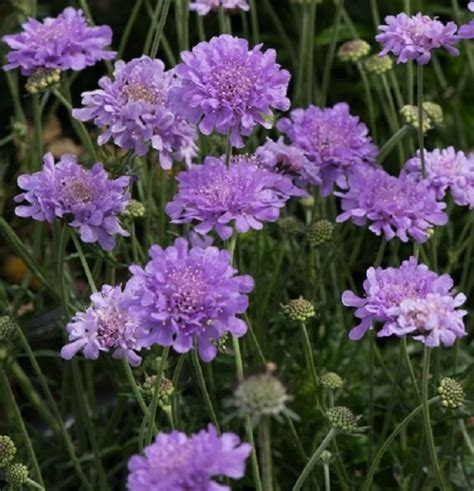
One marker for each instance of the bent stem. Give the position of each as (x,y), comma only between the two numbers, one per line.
(312,461)
(427,421)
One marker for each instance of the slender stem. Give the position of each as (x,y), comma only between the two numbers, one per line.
(327,478)
(34,484)
(159,30)
(370,100)
(254,21)
(253,456)
(371,393)
(411,371)
(84,264)
(266,453)
(136,390)
(309,354)
(381,451)
(392,142)
(427,421)
(203,387)
(313,460)
(128,28)
(467,438)
(421,133)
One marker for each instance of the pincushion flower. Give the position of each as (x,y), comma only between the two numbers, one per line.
(104,326)
(67,190)
(187,296)
(446,169)
(135,111)
(411,300)
(245,194)
(289,160)
(394,206)
(203,7)
(332,139)
(415,37)
(467,31)
(230,89)
(65,42)
(176,462)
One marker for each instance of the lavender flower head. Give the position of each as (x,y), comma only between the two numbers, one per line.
(395,206)
(67,189)
(332,139)
(175,462)
(104,326)
(65,42)
(203,7)
(230,89)
(413,38)
(289,160)
(409,300)
(446,169)
(467,31)
(245,194)
(135,110)
(188,295)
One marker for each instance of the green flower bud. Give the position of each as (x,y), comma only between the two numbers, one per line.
(165,391)
(221,343)
(410,115)
(353,51)
(16,475)
(326,457)
(331,381)
(290,225)
(299,310)
(43,79)
(135,209)
(341,418)
(378,65)
(434,112)
(319,232)
(451,392)
(7,328)
(7,450)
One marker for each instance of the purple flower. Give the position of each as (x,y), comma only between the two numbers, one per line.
(65,42)
(395,206)
(135,111)
(176,462)
(245,193)
(203,7)
(446,169)
(332,139)
(289,160)
(104,326)
(187,295)
(413,38)
(229,89)
(67,189)
(467,31)
(411,300)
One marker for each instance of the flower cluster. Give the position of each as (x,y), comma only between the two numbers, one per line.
(135,110)
(65,42)
(187,295)
(245,193)
(409,300)
(104,326)
(395,206)
(414,37)
(175,462)
(203,7)
(332,139)
(67,189)
(467,31)
(446,169)
(230,89)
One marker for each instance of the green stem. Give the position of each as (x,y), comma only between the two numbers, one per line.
(381,451)
(327,478)
(411,371)
(159,30)
(85,266)
(128,28)
(34,484)
(254,21)
(370,100)
(309,354)
(394,140)
(314,459)
(266,453)
(427,421)
(421,133)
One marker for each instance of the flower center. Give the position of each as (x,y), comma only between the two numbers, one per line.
(79,190)
(138,92)
(187,290)
(233,82)
(111,327)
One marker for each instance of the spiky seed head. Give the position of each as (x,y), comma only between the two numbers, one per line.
(299,310)
(319,233)
(332,381)
(7,328)
(378,65)
(16,475)
(260,395)
(7,450)
(451,392)
(290,225)
(353,51)
(342,418)
(134,210)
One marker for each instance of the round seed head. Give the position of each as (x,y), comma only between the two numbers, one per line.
(319,233)
(353,51)
(378,65)
(332,381)
(299,310)
(341,418)
(451,392)
(7,450)
(7,328)
(16,475)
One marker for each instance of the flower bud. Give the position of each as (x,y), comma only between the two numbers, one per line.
(326,457)
(7,450)
(378,65)
(353,51)
(451,392)
(341,418)
(299,310)
(43,79)
(434,112)
(165,392)
(319,232)
(290,225)
(16,475)
(410,115)
(332,381)
(135,209)
(7,328)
